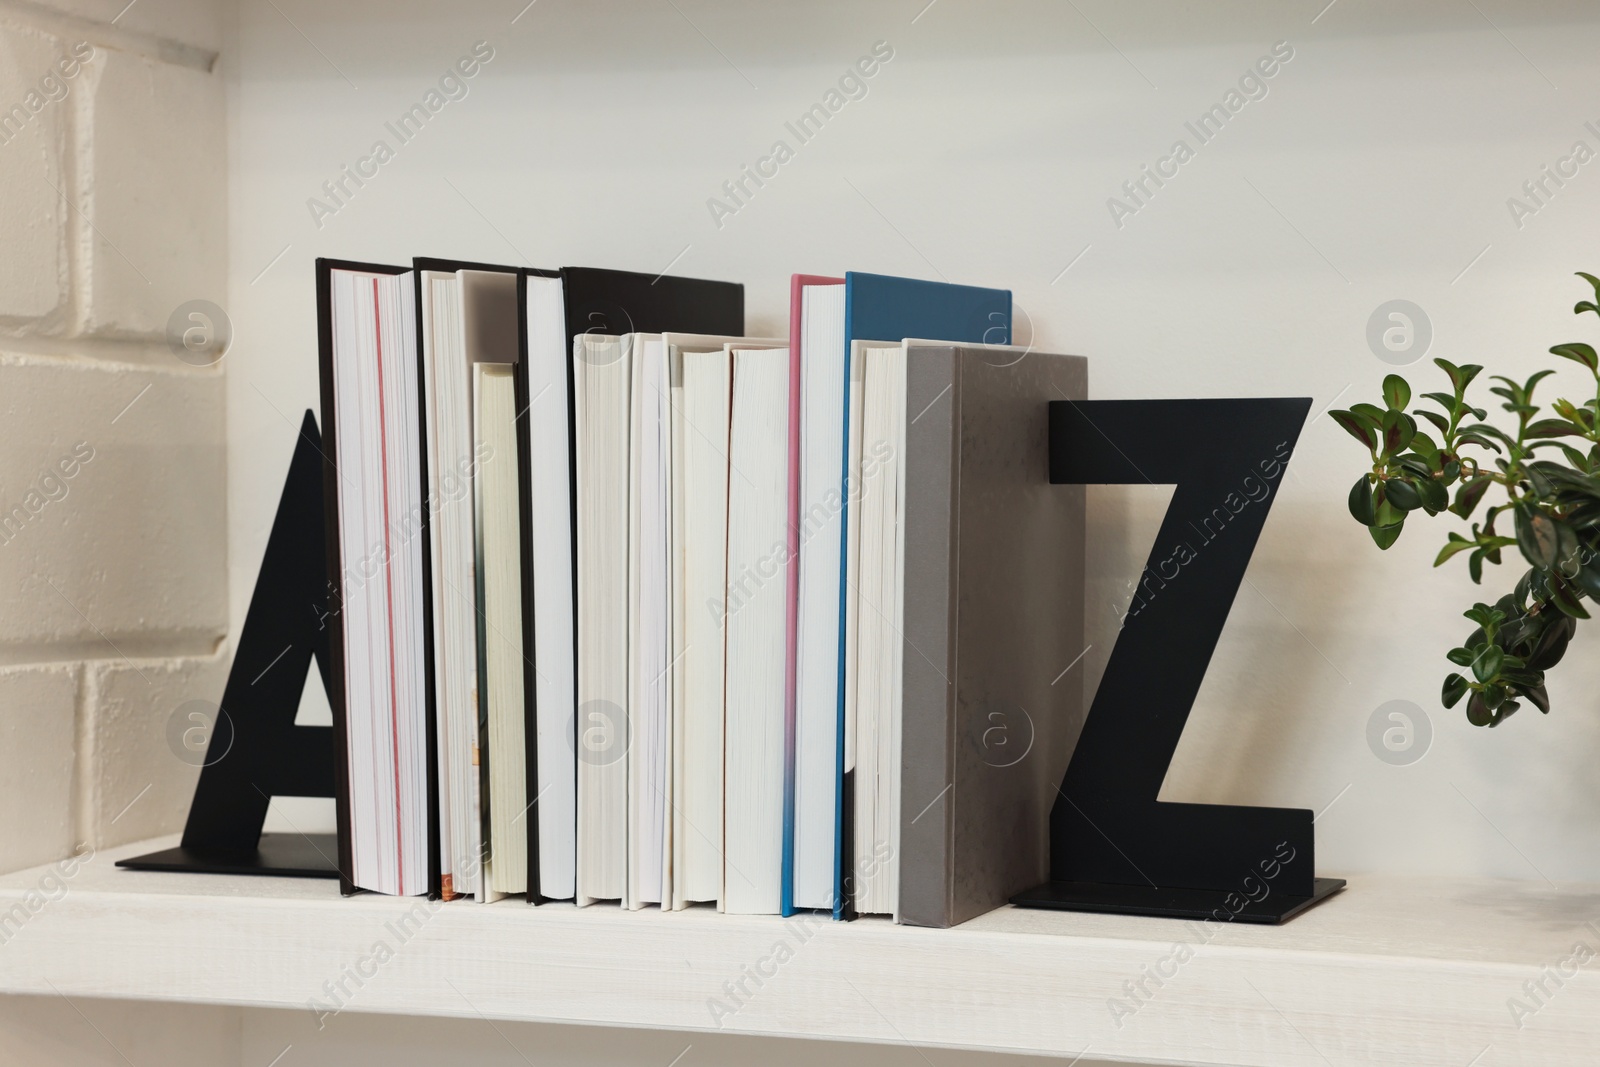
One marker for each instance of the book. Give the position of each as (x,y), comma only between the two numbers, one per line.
(545,440)
(702,406)
(601,390)
(816,505)
(991,560)
(756,630)
(620,302)
(491,318)
(451,614)
(659,715)
(700,371)
(877,589)
(449,531)
(882,308)
(375,497)
(603,311)
(649,633)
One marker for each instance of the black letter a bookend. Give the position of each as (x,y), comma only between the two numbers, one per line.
(1113,846)
(256,751)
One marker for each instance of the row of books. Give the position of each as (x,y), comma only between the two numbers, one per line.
(633,607)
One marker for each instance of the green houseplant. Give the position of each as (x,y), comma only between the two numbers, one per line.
(1547,470)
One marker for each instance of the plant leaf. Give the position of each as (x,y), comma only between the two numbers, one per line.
(1554,428)
(1444,400)
(1563,596)
(1361,508)
(1357,428)
(1587,579)
(1533,380)
(1396,392)
(1536,536)
(1384,536)
(1434,495)
(1455,687)
(1457,543)
(1578,352)
(1440,423)
(1398,428)
(1470,493)
(1402,494)
(1461,376)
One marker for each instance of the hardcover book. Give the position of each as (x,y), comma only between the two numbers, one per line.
(993,626)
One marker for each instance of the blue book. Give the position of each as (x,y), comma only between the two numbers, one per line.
(876,308)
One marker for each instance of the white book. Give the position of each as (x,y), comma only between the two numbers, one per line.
(649,632)
(852,598)
(880,596)
(756,632)
(554,638)
(656,637)
(452,468)
(701,370)
(702,386)
(818,616)
(602,385)
(378,453)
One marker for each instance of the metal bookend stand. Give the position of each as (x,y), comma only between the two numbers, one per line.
(1113,846)
(256,751)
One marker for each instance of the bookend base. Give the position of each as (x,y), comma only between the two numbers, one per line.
(280,855)
(1172,903)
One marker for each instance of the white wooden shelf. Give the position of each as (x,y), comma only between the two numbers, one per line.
(1392,971)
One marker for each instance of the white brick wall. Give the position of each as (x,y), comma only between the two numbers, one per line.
(113,558)
(33,165)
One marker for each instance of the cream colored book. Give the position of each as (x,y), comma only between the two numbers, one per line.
(452,469)
(602,385)
(489,300)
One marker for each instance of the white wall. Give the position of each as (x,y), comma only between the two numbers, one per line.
(1377,167)
(113,547)
(113,544)
(81,1032)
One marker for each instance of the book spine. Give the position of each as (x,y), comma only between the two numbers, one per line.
(330,504)
(931,461)
(792,604)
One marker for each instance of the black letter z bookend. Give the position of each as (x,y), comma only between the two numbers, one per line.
(1113,846)
(256,751)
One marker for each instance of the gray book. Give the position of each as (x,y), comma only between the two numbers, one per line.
(994,558)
